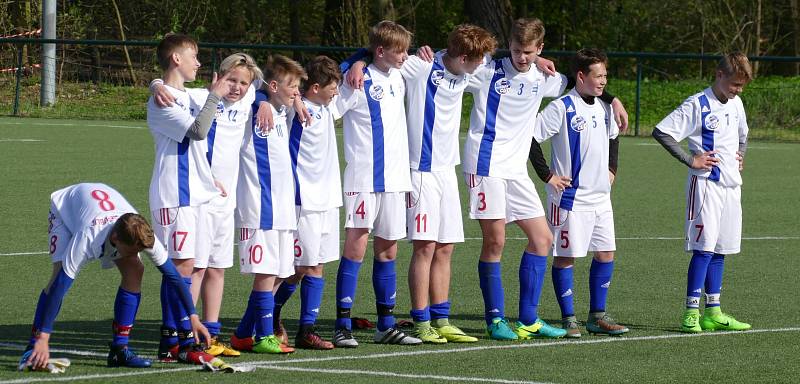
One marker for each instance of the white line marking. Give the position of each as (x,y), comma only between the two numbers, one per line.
(49,124)
(267,364)
(24,253)
(4,140)
(58,350)
(402,375)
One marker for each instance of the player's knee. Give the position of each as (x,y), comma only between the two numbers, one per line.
(494,244)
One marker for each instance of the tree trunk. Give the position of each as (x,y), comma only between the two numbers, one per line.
(757,42)
(124,47)
(494,15)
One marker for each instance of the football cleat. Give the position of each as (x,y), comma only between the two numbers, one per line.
(194,354)
(691,321)
(570,324)
(715,320)
(455,335)
(427,334)
(500,330)
(538,330)
(218,348)
(242,344)
(271,344)
(602,323)
(395,336)
(167,353)
(310,339)
(122,356)
(343,338)
(280,333)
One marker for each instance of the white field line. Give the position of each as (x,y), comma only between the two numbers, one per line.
(421,352)
(766,147)
(7,140)
(54,124)
(401,375)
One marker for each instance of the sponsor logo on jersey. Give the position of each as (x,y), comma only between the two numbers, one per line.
(220,110)
(578,124)
(437,76)
(502,86)
(376,92)
(712,122)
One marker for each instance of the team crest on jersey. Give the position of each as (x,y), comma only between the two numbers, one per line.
(712,122)
(376,92)
(220,110)
(578,124)
(437,76)
(259,133)
(502,86)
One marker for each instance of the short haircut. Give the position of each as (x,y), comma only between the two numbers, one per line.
(585,58)
(279,67)
(390,36)
(133,229)
(736,64)
(169,45)
(526,31)
(240,59)
(321,70)
(470,40)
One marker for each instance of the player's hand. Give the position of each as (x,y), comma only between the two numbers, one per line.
(162,96)
(704,160)
(355,75)
(547,66)
(264,118)
(740,159)
(221,187)
(200,331)
(219,85)
(41,352)
(620,115)
(560,183)
(611,177)
(425,53)
(302,112)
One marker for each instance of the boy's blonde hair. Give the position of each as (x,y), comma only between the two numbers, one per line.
(279,67)
(322,70)
(389,35)
(736,64)
(169,45)
(241,59)
(528,31)
(133,229)
(471,41)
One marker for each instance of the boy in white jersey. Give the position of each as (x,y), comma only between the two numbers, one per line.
(583,150)
(375,181)
(182,184)
(91,221)
(265,212)
(715,125)
(315,160)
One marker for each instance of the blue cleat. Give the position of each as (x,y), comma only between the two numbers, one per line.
(122,356)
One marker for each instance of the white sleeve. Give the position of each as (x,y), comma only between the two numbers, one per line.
(158,255)
(611,124)
(549,122)
(744,129)
(554,86)
(334,108)
(482,74)
(681,122)
(414,67)
(347,100)
(172,122)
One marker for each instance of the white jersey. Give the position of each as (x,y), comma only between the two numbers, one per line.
(434,113)
(89,211)
(710,126)
(265,194)
(580,135)
(375,137)
(503,113)
(224,141)
(181,174)
(315,159)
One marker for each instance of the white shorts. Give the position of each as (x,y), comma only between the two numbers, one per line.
(184,231)
(221,229)
(266,252)
(433,207)
(713,216)
(382,213)
(317,237)
(496,198)
(577,233)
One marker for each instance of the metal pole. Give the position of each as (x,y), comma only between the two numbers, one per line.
(48,94)
(638,93)
(19,79)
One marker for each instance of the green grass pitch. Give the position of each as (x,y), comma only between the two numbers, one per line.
(39,156)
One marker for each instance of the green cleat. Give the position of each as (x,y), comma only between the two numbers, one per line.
(691,321)
(427,334)
(714,320)
(271,344)
(602,323)
(499,330)
(538,330)
(455,335)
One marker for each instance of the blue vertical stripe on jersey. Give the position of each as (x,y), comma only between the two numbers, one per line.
(568,197)
(294,147)
(426,152)
(183,173)
(378,183)
(708,135)
(212,133)
(489,131)
(261,148)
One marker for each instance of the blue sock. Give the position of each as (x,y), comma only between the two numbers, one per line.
(714,280)
(421,315)
(532,269)
(213,327)
(311,289)
(384,282)
(265,302)
(346,283)
(698,268)
(126,304)
(248,322)
(37,316)
(282,295)
(562,284)
(599,281)
(182,316)
(168,324)
(492,288)
(440,310)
